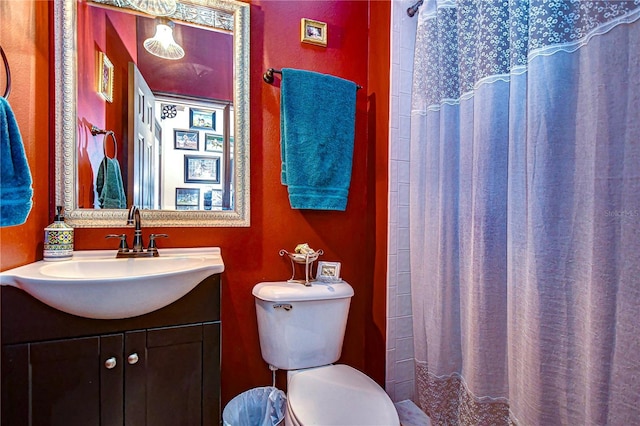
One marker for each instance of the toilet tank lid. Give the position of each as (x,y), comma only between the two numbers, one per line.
(282,291)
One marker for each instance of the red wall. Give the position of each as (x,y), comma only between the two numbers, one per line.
(24,36)
(356,237)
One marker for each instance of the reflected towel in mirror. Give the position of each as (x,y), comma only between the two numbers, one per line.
(109,185)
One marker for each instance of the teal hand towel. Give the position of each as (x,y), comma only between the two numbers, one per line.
(109,185)
(16,191)
(317,130)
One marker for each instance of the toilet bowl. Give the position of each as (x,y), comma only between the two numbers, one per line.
(301,330)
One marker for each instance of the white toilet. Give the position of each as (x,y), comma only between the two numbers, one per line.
(301,330)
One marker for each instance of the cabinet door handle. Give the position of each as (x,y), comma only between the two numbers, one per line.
(133,358)
(110,363)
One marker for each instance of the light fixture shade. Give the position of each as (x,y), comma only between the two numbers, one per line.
(155,7)
(162,43)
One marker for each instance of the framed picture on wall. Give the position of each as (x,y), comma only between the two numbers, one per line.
(216,198)
(213,143)
(213,199)
(186,139)
(105,77)
(201,169)
(201,119)
(187,198)
(314,32)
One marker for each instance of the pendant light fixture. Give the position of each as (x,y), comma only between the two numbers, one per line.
(162,43)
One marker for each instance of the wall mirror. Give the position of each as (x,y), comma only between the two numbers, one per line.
(166,117)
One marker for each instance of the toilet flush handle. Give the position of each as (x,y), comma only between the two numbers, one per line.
(285,306)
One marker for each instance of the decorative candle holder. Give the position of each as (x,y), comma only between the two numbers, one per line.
(305,259)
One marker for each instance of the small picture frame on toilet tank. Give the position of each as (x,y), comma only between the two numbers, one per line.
(328,271)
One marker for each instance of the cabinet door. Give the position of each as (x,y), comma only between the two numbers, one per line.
(111,380)
(65,383)
(61,383)
(166,384)
(211,409)
(15,385)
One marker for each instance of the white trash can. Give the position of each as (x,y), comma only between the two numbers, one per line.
(262,406)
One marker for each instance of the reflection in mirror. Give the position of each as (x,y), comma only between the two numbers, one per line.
(181,145)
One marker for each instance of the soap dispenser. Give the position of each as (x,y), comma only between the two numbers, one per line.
(58,239)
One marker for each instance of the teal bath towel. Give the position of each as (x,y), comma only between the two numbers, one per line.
(317,130)
(109,185)
(15,177)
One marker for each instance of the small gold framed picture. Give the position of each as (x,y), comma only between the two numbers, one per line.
(314,32)
(105,77)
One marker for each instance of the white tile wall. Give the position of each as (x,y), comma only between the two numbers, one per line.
(400,375)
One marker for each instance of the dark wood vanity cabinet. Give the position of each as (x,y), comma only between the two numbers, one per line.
(161,368)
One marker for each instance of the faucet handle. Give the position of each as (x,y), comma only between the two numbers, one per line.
(123,248)
(152,243)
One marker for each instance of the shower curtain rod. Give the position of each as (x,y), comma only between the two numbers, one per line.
(414,9)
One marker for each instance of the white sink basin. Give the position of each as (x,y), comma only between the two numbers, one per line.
(94,284)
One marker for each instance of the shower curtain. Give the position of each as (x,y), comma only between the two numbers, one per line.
(525,212)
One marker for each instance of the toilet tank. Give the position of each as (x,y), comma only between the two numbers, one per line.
(301,326)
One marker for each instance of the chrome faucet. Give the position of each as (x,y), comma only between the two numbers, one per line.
(134,219)
(138,250)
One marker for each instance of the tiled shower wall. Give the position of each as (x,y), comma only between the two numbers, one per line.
(400,376)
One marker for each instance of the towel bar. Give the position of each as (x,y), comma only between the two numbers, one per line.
(268,76)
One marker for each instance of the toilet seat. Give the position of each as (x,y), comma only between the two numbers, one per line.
(337,395)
